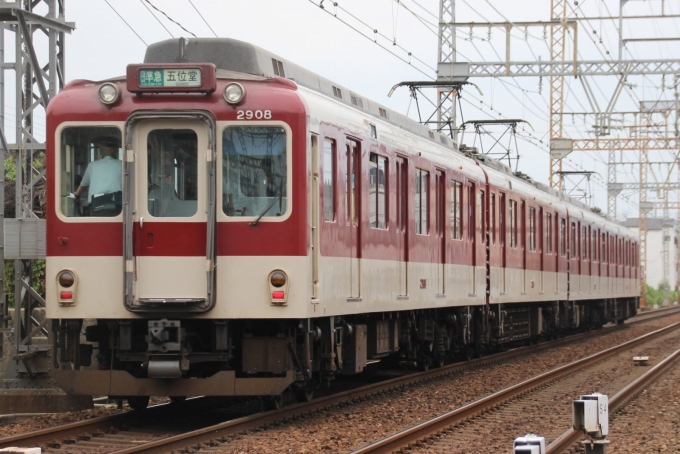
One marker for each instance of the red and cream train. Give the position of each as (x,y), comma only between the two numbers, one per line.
(273,230)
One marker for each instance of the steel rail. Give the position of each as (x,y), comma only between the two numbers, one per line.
(570,437)
(428,428)
(104,423)
(100,423)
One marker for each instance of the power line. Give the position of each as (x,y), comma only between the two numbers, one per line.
(157,19)
(126,23)
(376,32)
(206,22)
(320,5)
(169,18)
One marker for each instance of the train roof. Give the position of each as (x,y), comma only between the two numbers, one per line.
(240,60)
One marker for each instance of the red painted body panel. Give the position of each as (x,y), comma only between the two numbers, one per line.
(79,102)
(338,238)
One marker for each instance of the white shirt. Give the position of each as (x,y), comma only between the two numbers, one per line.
(103,177)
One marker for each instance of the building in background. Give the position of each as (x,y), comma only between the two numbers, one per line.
(655,249)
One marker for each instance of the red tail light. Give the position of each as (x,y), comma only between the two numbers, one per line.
(275,295)
(66,295)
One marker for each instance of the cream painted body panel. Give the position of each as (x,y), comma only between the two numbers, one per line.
(380,288)
(170,277)
(99,293)
(243,292)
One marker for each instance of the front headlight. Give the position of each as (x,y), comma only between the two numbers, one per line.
(234,93)
(108,93)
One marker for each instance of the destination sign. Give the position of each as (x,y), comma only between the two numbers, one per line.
(171,78)
(177,77)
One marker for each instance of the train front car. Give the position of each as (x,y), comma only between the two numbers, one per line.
(178,206)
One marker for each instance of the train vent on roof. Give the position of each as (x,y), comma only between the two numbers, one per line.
(383,112)
(356,101)
(278,68)
(523,176)
(337,92)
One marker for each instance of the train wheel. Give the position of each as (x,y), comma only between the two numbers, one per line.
(439,362)
(273,402)
(424,363)
(304,394)
(138,402)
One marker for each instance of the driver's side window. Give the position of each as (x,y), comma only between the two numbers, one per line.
(91,171)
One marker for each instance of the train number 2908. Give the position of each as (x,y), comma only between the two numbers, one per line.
(256,114)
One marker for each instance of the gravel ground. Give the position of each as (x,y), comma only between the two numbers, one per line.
(56,419)
(650,423)
(342,429)
(548,411)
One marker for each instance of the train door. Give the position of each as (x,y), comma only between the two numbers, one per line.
(440,229)
(169,227)
(353,203)
(402,223)
(472,235)
(503,240)
(316,216)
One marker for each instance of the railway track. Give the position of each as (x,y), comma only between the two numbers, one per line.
(132,432)
(515,403)
(571,437)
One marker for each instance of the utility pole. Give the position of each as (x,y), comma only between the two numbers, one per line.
(26,384)
(644,136)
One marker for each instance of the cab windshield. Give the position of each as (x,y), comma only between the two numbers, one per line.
(90,171)
(254,166)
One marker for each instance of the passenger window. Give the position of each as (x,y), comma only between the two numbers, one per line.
(563,237)
(548,233)
(91,168)
(422,201)
(456,210)
(255,171)
(329,153)
(492,218)
(377,191)
(513,223)
(482,214)
(573,252)
(172,158)
(532,229)
(584,243)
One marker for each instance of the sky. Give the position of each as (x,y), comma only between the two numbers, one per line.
(339,42)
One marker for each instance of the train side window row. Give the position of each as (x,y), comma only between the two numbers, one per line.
(522,227)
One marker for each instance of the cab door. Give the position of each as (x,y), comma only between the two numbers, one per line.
(169,237)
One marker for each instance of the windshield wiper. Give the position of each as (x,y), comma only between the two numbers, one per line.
(278,198)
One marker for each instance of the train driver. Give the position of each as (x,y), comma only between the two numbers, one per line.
(103,179)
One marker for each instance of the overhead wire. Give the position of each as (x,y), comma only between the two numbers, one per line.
(425,9)
(157,19)
(126,22)
(320,5)
(376,32)
(206,22)
(420,19)
(169,18)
